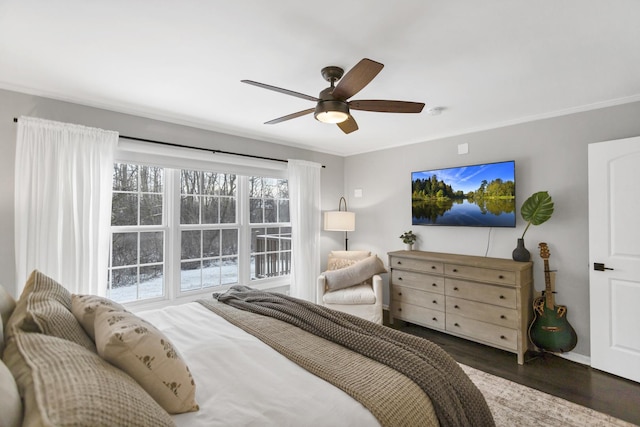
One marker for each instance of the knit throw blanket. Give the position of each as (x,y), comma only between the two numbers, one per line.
(456,400)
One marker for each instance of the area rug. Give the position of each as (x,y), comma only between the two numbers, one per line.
(513,404)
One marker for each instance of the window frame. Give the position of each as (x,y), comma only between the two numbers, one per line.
(173,159)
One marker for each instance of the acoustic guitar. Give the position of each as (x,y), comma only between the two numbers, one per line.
(550,329)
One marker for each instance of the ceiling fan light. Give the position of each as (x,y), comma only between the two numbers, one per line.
(331,111)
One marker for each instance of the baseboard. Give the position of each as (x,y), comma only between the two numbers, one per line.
(575,357)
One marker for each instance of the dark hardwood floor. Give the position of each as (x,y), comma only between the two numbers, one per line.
(548,373)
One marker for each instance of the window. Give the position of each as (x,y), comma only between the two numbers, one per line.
(178,231)
(270,229)
(209,230)
(138,233)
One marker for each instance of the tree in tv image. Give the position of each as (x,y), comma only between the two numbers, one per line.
(478,195)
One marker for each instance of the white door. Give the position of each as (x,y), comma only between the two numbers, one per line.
(614,242)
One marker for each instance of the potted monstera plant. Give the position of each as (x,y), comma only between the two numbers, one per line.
(536,210)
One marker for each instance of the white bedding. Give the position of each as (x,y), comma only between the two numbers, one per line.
(240,381)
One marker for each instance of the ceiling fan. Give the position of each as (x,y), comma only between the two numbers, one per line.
(332,105)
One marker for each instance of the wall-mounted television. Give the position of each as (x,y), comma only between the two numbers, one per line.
(481,195)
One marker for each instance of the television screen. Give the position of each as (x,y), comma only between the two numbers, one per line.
(474,196)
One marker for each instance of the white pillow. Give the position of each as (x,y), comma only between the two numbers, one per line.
(145,353)
(354,274)
(10,403)
(342,259)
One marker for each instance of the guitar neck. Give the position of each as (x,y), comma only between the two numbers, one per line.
(548,292)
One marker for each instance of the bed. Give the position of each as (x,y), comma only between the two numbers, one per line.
(69,358)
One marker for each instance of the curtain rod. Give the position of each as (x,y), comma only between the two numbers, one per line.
(211,150)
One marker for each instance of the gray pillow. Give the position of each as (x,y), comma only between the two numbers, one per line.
(65,384)
(353,274)
(45,307)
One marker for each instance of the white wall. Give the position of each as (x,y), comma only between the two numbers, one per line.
(13,104)
(550,155)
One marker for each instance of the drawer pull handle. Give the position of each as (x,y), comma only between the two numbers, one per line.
(400,293)
(502,337)
(399,278)
(399,263)
(455,324)
(399,308)
(503,316)
(501,277)
(435,302)
(455,306)
(455,270)
(455,289)
(501,296)
(435,319)
(434,284)
(433,267)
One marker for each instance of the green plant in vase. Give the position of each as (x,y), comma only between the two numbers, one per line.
(537,209)
(409,239)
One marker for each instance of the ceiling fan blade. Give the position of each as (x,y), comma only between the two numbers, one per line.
(348,125)
(279,89)
(357,78)
(386,106)
(290,116)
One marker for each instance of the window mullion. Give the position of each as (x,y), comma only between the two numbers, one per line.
(244,244)
(172,260)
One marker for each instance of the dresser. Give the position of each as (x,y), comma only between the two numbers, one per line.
(487,300)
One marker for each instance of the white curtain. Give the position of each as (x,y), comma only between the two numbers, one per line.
(304,207)
(63,181)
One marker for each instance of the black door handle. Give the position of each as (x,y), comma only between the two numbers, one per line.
(598,266)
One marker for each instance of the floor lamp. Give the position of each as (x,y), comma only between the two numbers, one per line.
(340,220)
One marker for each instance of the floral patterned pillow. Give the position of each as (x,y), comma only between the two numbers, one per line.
(84,308)
(146,354)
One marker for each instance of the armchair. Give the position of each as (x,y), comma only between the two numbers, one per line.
(363,300)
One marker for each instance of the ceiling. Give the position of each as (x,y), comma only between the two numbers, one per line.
(487,63)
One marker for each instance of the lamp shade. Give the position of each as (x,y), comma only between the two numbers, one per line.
(339,221)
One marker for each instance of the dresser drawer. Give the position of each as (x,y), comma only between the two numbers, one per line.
(417,297)
(497,315)
(416,265)
(480,274)
(415,280)
(481,331)
(497,295)
(418,315)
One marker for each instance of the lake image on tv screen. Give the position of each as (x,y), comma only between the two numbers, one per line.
(474,196)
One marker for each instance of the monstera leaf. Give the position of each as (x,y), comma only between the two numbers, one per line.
(536,209)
